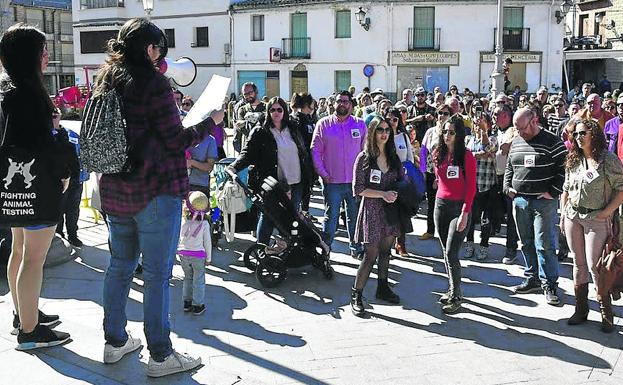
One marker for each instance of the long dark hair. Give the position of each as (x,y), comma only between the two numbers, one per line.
(127,55)
(21,49)
(459,143)
(372,150)
(598,142)
(268,119)
(395,112)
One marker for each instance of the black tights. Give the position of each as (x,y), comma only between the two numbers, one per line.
(373,252)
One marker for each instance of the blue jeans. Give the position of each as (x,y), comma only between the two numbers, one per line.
(265,226)
(334,194)
(536,227)
(154,232)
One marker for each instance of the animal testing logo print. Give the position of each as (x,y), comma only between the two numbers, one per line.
(19,168)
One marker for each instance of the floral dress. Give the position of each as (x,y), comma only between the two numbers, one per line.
(372,224)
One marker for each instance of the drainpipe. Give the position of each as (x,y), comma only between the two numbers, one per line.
(390,71)
(548,50)
(232,65)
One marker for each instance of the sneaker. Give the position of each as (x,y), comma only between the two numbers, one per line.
(510,257)
(452,306)
(310,217)
(357,255)
(44,319)
(551,297)
(113,354)
(41,337)
(199,309)
(75,241)
(445,297)
(527,286)
(426,236)
(483,253)
(469,250)
(188,306)
(174,363)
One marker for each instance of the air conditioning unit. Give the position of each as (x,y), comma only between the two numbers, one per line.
(275,55)
(227,48)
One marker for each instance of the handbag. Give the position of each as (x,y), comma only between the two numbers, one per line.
(30,188)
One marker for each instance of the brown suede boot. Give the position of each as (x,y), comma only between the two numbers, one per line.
(607,317)
(581,305)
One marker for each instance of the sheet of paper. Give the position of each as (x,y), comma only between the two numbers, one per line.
(210,100)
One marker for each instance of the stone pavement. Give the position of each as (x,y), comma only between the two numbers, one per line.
(304,333)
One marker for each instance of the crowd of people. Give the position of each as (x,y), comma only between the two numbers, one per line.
(516,159)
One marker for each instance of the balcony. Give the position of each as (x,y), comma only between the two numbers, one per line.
(424,39)
(296,48)
(514,39)
(91,4)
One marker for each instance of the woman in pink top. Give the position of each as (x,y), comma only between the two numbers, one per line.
(456,187)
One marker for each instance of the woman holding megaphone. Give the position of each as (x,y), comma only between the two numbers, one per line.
(144,205)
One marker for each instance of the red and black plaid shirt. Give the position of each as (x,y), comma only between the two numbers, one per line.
(153,119)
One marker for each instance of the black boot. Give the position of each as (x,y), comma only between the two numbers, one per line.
(356,302)
(581,305)
(607,317)
(384,292)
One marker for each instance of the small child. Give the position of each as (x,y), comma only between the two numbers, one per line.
(195,250)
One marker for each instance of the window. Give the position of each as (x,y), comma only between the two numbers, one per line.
(423,27)
(95,41)
(170,34)
(513,17)
(342,80)
(342,24)
(201,35)
(257,28)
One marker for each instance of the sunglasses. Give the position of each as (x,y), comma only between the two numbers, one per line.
(501,102)
(449,132)
(279,110)
(559,105)
(420,95)
(381,130)
(442,113)
(610,107)
(393,120)
(403,111)
(580,133)
(185,104)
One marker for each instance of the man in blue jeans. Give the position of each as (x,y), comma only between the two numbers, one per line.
(336,142)
(535,173)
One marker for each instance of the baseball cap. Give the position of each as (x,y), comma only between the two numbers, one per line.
(377,91)
(419,90)
(620,99)
(500,98)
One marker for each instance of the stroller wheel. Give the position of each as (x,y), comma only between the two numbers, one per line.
(252,255)
(271,271)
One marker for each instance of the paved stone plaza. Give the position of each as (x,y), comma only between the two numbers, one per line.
(303,332)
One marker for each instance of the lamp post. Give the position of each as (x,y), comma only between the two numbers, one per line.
(148,6)
(498,72)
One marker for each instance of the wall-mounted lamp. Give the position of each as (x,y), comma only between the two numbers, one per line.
(148,6)
(364,21)
(610,25)
(565,7)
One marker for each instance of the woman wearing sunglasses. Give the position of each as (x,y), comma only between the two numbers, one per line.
(455,168)
(592,192)
(377,168)
(429,143)
(276,149)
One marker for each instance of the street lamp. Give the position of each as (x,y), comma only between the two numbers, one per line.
(497,84)
(565,7)
(148,6)
(362,19)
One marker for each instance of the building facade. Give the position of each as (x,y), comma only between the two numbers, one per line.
(53,17)
(198,29)
(321,46)
(594,41)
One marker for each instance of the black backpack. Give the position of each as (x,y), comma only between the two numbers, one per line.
(104,146)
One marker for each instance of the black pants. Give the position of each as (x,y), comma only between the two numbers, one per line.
(70,209)
(307,193)
(506,207)
(481,211)
(447,214)
(430,198)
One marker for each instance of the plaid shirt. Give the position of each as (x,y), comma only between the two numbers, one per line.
(485,166)
(149,105)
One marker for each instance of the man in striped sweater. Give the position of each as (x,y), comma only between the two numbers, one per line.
(535,173)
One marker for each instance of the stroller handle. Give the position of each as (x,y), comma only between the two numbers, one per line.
(238,181)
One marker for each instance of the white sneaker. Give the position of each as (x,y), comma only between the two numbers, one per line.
(174,363)
(113,354)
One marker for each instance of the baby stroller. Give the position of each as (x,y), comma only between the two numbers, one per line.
(301,243)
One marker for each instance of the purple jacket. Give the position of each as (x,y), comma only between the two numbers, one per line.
(611,129)
(335,146)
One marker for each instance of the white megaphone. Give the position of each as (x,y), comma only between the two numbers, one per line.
(183,71)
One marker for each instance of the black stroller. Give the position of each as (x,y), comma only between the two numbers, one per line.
(301,243)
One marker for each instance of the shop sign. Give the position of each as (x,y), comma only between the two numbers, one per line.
(425,58)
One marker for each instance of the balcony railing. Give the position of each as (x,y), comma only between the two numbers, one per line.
(513,39)
(89,4)
(296,48)
(66,28)
(424,39)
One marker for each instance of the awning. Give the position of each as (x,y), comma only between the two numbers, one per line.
(591,54)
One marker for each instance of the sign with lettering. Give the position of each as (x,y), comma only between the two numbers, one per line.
(425,58)
(516,57)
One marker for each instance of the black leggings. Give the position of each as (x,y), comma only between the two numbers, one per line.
(447,214)
(430,197)
(374,251)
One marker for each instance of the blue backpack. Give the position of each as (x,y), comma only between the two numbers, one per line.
(416,177)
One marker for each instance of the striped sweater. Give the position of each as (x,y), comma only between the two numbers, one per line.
(536,166)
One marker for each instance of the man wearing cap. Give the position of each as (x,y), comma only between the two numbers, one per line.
(613,126)
(422,115)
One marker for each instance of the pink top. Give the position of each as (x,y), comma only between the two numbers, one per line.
(453,185)
(335,146)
